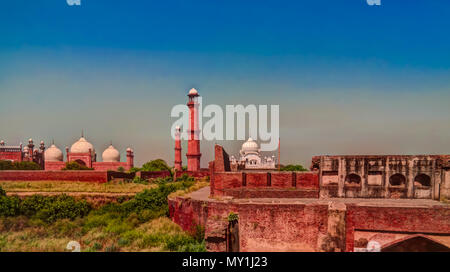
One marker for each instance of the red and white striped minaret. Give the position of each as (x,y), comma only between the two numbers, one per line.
(178,162)
(193,154)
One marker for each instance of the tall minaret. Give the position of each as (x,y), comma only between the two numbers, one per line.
(178,162)
(193,154)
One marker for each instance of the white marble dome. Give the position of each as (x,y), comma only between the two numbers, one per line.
(82,146)
(250,146)
(53,154)
(111,154)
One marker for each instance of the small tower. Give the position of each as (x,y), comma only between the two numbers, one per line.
(178,162)
(30,149)
(193,154)
(130,158)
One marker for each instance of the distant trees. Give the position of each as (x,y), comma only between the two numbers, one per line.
(293,168)
(156,165)
(75,166)
(9,165)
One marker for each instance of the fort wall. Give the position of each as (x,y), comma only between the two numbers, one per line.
(88,176)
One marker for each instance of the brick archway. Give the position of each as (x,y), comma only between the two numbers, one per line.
(415,243)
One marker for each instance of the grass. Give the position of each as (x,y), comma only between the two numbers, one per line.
(139,224)
(197,186)
(74,186)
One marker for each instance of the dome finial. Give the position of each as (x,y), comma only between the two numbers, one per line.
(82,133)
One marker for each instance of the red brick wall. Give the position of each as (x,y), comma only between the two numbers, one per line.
(222,182)
(282,179)
(226,180)
(90,176)
(196,174)
(153,174)
(54,166)
(307,180)
(11,156)
(399,219)
(112,166)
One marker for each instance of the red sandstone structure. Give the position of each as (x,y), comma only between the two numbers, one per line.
(346,203)
(82,152)
(178,164)
(193,154)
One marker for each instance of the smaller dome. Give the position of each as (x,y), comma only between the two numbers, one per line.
(111,154)
(193,92)
(53,153)
(250,146)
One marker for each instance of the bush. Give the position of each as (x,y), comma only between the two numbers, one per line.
(120,169)
(75,166)
(156,165)
(8,165)
(2,192)
(47,209)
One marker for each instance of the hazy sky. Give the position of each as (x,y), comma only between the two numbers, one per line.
(349,78)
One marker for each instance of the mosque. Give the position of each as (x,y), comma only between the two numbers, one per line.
(251,158)
(82,152)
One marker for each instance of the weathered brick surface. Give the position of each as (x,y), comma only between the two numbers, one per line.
(256,180)
(307,180)
(282,180)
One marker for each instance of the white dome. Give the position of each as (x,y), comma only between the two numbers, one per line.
(111,155)
(82,146)
(193,92)
(53,154)
(250,146)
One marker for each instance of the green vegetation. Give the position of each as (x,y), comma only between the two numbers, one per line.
(41,223)
(292,167)
(75,166)
(153,166)
(232,217)
(8,165)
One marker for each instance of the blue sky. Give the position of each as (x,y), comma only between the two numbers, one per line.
(349,78)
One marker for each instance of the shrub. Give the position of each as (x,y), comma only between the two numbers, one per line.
(75,166)
(140,180)
(2,192)
(8,165)
(156,165)
(121,169)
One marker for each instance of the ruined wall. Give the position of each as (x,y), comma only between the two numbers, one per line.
(308,226)
(109,166)
(11,156)
(265,184)
(390,176)
(89,176)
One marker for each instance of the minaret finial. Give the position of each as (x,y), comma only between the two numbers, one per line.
(82,133)
(53,141)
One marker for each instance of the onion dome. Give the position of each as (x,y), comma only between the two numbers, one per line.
(250,146)
(82,146)
(53,154)
(111,155)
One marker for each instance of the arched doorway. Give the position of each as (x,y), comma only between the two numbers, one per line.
(80,162)
(422,180)
(397,186)
(422,186)
(397,180)
(416,243)
(352,185)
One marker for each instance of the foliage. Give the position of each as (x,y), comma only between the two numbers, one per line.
(75,166)
(232,217)
(121,169)
(2,192)
(8,165)
(134,225)
(292,167)
(140,180)
(156,165)
(47,209)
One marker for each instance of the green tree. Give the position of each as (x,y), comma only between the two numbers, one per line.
(156,165)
